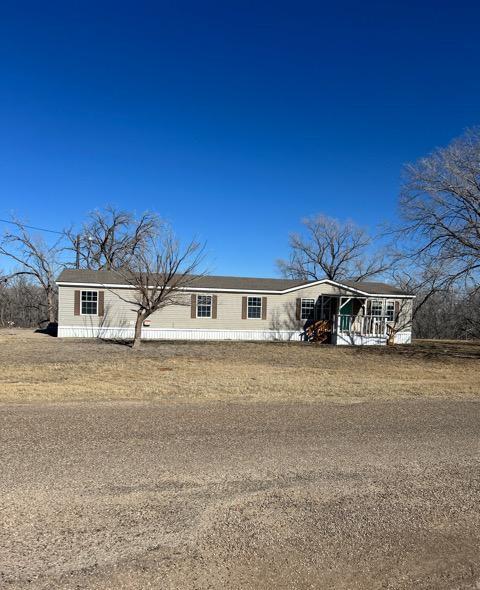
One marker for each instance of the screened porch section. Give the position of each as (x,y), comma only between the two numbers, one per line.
(348,320)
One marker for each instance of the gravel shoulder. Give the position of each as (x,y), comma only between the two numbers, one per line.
(135,495)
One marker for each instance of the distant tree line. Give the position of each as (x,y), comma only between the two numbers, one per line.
(433,251)
(449,315)
(22,303)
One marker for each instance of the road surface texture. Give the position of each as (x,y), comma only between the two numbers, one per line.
(123,495)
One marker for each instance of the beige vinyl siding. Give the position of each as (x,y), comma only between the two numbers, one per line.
(404,322)
(117,312)
(281,310)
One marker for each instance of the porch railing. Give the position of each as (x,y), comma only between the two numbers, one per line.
(363,325)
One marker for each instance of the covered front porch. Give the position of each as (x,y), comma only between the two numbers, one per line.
(347,320)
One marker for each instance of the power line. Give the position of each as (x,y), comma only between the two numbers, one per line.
(50,231)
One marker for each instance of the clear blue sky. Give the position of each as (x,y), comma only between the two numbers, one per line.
(231,119)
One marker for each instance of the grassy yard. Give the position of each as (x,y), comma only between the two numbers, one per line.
(36,367)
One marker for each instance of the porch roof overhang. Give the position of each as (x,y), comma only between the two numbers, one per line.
(350,288)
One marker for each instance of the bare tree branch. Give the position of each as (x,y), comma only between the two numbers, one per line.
(110,236)
(331,249)
(440,211)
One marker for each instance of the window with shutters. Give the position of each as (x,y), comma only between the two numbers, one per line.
(254,308)
(89,303)
(306,310)
(204,306)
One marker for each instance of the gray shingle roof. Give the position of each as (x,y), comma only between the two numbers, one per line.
(375,287)
(107,277)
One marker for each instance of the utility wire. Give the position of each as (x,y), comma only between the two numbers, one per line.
(50,231)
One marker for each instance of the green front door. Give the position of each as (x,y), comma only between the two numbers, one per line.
(346,312)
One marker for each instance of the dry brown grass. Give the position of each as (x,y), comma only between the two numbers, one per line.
(36,367)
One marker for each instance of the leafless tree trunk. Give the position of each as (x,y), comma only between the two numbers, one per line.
(110,236)
(331,249)
(138,328)
(35,259)
(158,271)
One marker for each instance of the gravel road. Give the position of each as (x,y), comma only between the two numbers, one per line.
(207,495)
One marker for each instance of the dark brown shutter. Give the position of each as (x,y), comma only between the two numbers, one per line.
(264,308)
(244,308)
(214,307)
(101,303)
(298,310)
(193,307)
(76,303)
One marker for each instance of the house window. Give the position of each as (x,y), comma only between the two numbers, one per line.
(254,308)
(204,306)
(390,311)
(89,302)
(376,307)
(308,305)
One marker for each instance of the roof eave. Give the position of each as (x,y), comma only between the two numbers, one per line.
(240,290)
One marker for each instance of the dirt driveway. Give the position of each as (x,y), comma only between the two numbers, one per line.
(137,495)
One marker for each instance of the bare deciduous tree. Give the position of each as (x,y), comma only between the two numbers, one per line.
(35,259)
(331,249)
(440,208)
(110,236)
(158,271)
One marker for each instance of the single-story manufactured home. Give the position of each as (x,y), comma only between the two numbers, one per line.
(95,304)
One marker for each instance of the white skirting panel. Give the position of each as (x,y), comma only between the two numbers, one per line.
(403,338)
(358,339)
(95,332)
(176,334)
(186,334)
